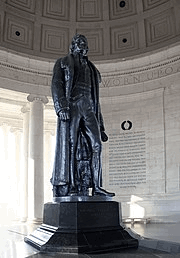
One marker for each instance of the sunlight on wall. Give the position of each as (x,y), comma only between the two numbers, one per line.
(9,192)
(12,163)
(136,211)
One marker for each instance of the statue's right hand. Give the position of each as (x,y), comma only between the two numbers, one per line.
(64,115)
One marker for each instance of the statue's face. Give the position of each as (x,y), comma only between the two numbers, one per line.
(81,46)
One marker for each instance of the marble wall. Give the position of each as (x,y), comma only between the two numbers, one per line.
(140,146)
(142,156)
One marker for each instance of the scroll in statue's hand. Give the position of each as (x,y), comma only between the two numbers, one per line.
(104,136)
(64,115)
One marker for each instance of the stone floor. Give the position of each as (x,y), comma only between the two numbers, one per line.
(161,231)
(12,243)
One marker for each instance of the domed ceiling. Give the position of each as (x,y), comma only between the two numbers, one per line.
(115,29)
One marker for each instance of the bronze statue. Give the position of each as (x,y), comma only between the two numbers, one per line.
(80,128)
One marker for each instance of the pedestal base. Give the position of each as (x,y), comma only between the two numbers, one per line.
(81,227)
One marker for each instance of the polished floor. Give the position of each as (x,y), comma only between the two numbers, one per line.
(160,231)
(12,242)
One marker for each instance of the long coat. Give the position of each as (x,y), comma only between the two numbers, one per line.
(65,73)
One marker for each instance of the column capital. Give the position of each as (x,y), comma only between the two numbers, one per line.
(15,130)
(49,131)
(37,98)
(4,124)
(25,108)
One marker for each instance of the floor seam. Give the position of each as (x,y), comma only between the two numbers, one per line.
(16,232)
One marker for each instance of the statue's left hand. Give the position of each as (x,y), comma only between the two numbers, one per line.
(104,136)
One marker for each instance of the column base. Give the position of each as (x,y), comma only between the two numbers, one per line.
(35,220)
(23,220)
(81,227)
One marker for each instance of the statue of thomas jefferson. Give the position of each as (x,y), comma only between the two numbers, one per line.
(80,128)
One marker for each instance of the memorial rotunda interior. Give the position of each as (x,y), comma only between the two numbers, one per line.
(136,46)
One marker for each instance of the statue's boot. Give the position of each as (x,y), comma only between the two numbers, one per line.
(99,191)
(96,169)
(73,191)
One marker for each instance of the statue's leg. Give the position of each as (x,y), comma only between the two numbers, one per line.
(93,133)
(96,171)
(74,126)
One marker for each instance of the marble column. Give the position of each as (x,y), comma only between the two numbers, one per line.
(5,129)
(5,174)
(17,173)
(17,132)
(35,161)
(48,164)
(24,175)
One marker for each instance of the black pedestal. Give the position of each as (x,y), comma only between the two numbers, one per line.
(81,227)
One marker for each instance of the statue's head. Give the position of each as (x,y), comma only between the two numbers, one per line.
(79,44)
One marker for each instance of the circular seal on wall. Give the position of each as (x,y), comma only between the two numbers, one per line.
(126,125)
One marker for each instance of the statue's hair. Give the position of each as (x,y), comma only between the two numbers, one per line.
(74,40)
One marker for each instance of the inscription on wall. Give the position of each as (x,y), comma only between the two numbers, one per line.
(127,159)
(141,76)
